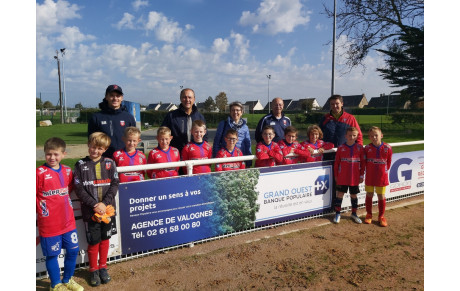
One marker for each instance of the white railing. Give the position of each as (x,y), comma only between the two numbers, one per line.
(190,163)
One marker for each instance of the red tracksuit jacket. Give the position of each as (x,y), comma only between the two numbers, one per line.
(157,155)
(268,155)
(378,162)
(195,151)
(299,149)
(349,164)
(124,159)
(224,153)
(53,204)
(317,145)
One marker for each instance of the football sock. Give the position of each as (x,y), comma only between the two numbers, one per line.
(69,264)
(338,205)
(93,251)
(103,253)
(52,266)
(354,205)
(369,204)
(382,204)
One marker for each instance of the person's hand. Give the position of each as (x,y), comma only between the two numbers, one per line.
(110,211)
(321,150)
(100,208)
(311,150)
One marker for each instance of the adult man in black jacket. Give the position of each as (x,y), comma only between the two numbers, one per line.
(180,120)
(112,119)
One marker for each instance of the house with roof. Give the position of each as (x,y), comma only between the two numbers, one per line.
(253,105)
(388,101)
(167,107)
(303,105)
(153,106)
(201,108)
(350,102)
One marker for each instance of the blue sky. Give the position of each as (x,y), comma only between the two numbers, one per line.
(151,48)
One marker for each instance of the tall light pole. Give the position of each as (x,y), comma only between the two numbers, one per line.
(269,77)
(60,91)
(63,83)
(333,53)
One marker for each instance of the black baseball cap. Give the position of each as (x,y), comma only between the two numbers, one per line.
(112,88)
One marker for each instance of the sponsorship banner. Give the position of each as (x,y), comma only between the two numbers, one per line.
(293,191)
(167,212)
(406,176)
(114,249)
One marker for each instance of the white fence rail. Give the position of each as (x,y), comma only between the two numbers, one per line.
(190,163)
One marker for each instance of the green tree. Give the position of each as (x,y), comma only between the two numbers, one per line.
(221,101)
(79,106)
(48,105)
(209,104)
(370,23)
(405,64)
(38,103)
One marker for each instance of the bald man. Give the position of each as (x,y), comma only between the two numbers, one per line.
(276,119)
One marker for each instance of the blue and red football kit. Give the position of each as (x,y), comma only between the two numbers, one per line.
(197,151)
(53,204)
(157,155)
(349,164)
(229,166)
(123,159)
(378,162)
(317,145)
(334,129)
(303,155)
(268,155)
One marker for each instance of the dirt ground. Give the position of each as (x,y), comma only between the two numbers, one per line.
(314,254)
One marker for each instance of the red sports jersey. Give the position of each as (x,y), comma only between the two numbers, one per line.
(378,162)
(349,164)
(224,153)
(158,155)
(268,156)
(123,159)
(303,154)
(195,151)
(317,145)
(54,207)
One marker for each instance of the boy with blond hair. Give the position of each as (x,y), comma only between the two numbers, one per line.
(96,184)
(55,217)
(268,153)
(349,172)
(130,156)
(289,145)
(198,149)
(378,156)
(315,142)
(164,153)
(230,150)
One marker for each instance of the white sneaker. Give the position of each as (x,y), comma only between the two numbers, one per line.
(356,218)
(337,218)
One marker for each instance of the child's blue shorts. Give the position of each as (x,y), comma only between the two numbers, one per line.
(51,246)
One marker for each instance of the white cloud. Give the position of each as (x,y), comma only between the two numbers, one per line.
(126,21)
(241,46)
(138,4)
(276,16)
(52,15)
(220,46)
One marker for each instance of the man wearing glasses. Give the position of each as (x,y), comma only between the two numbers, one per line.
(112,119)
(275,119)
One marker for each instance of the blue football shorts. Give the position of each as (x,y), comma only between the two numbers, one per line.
(51,246)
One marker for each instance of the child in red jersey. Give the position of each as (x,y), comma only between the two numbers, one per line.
(55,217)
(348,172)
(290,145)
(198,149)
(378,161)
(315,142)
(268,152)
(96,184)
(230,150)
(130,156)
(163,154)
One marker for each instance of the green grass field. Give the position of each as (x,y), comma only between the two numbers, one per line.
(71,133)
